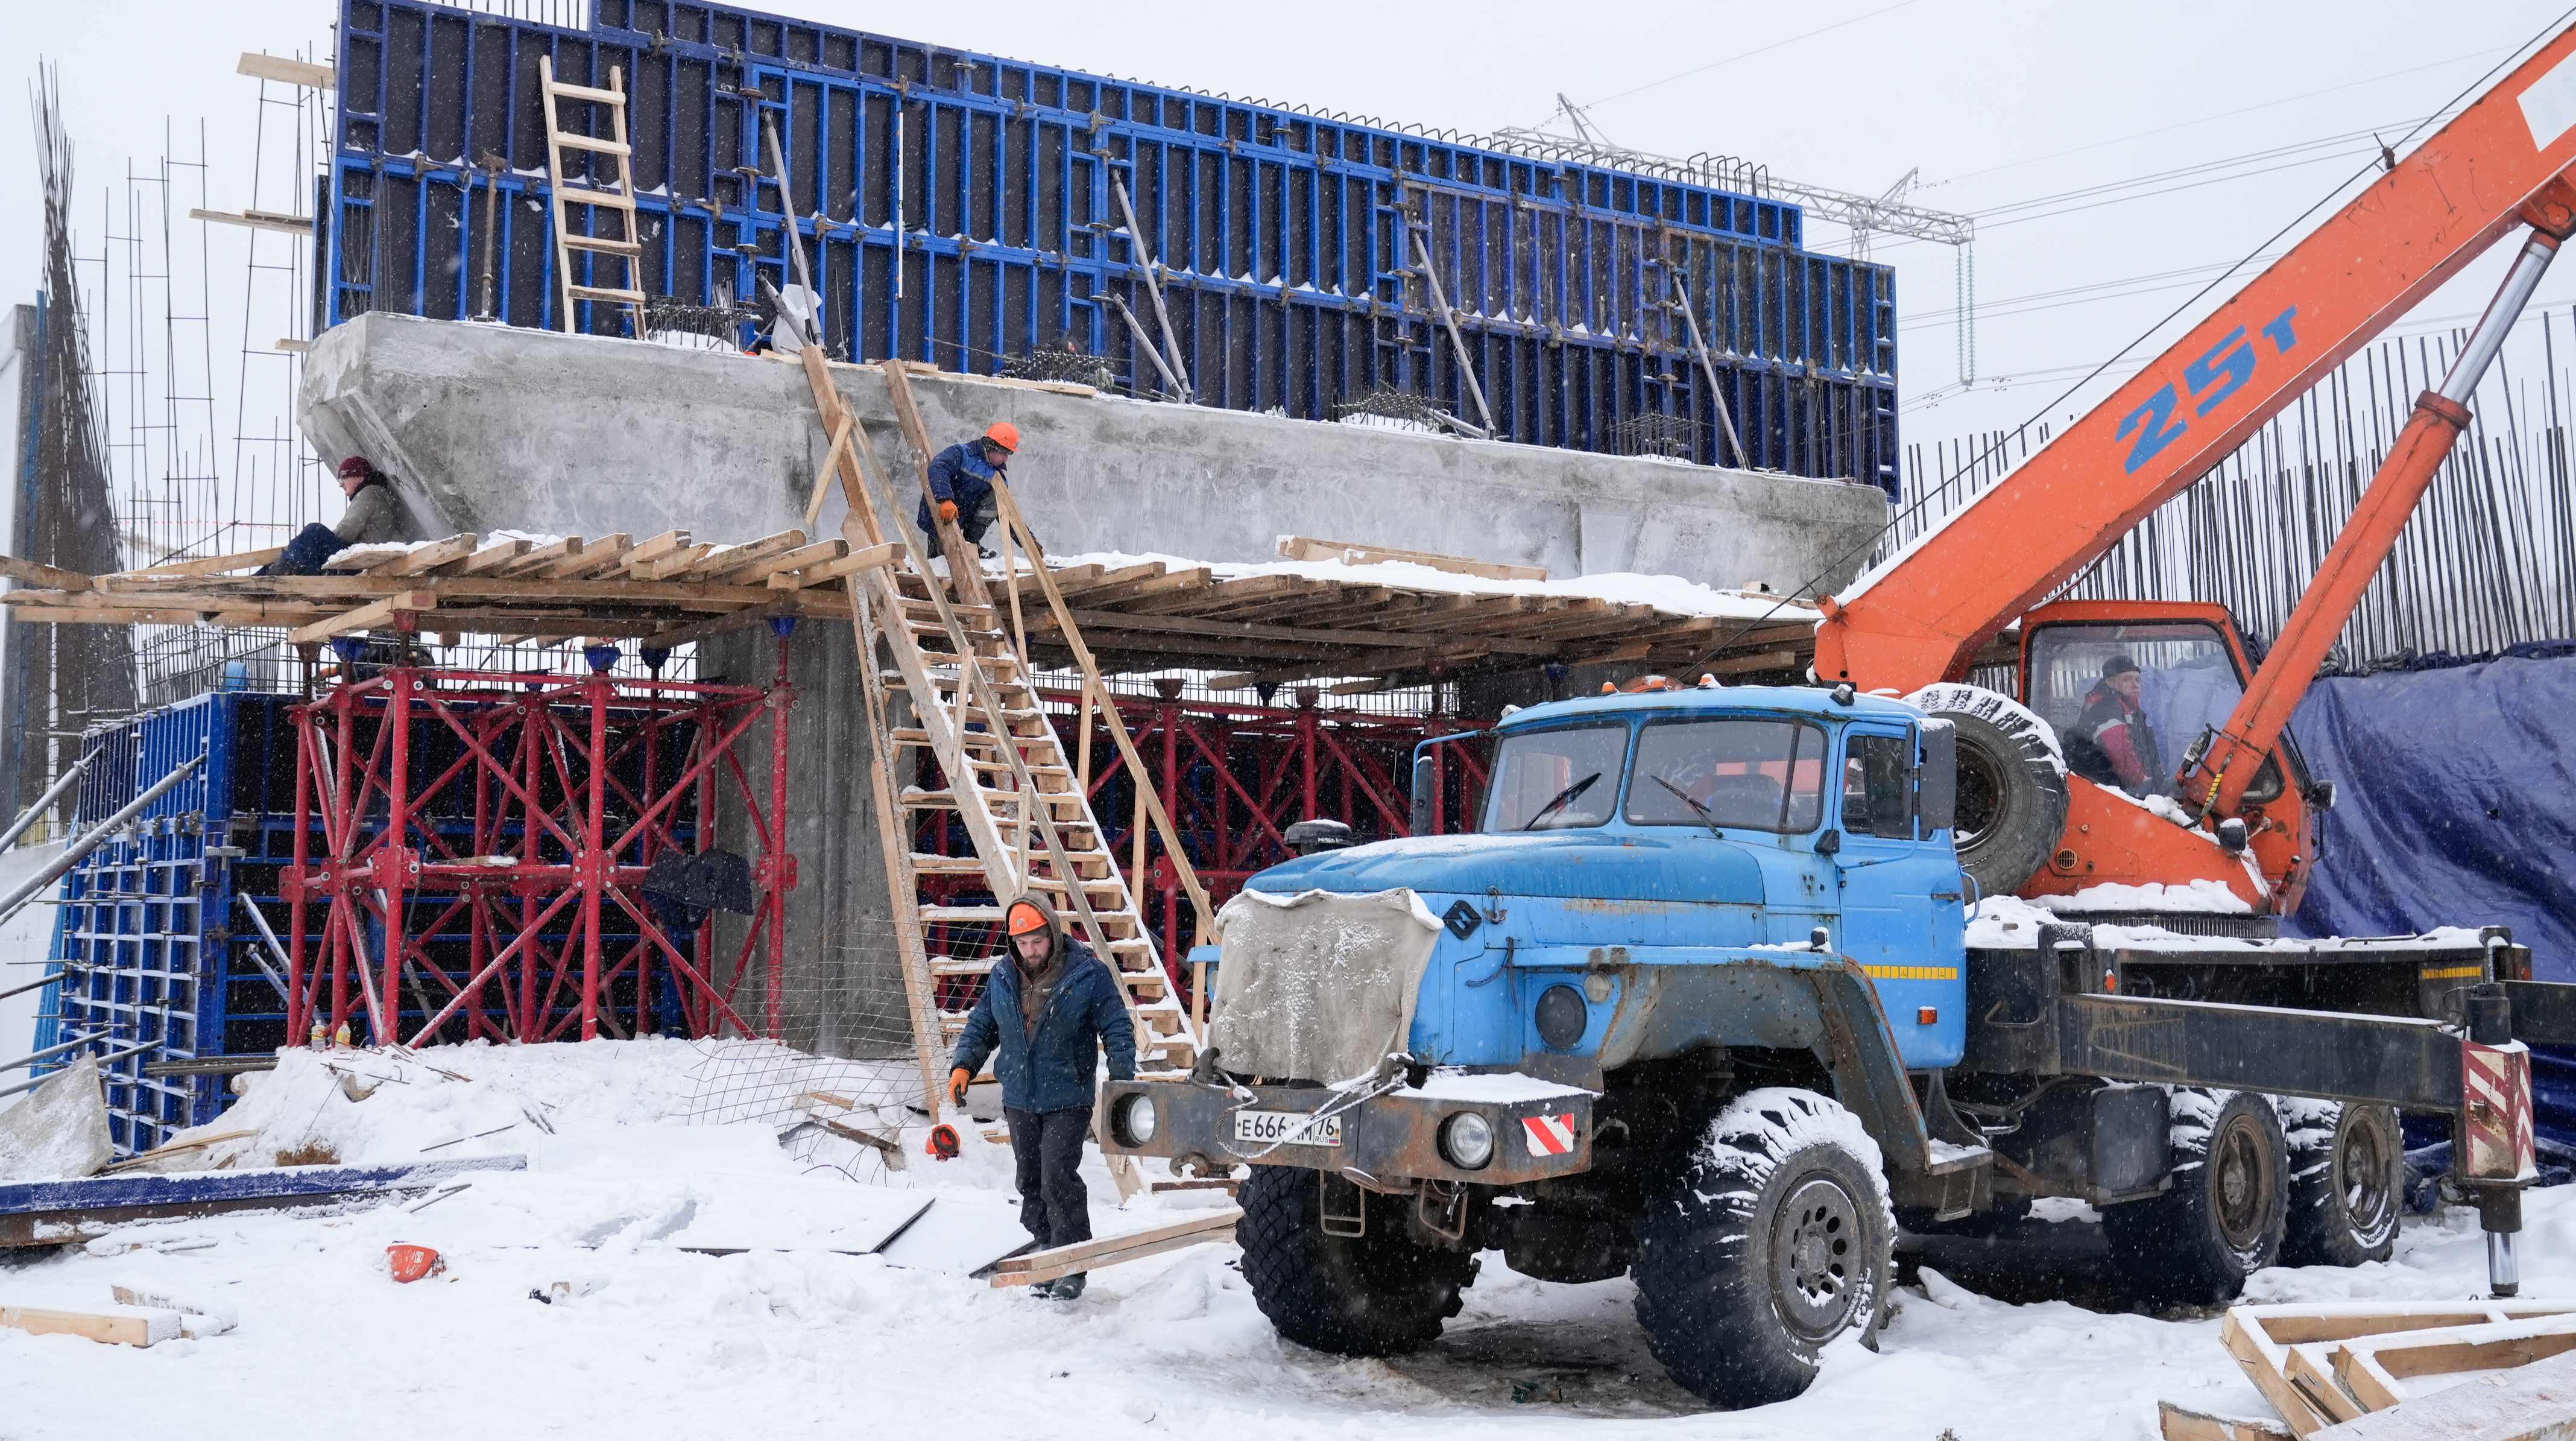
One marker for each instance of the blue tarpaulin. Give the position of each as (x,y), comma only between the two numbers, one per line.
(2456,805)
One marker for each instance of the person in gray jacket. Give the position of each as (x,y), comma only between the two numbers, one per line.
(376,516)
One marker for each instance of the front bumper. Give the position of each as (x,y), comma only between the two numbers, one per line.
(1386,1140)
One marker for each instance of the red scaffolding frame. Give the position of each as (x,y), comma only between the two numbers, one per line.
(483,837)
(1235,777)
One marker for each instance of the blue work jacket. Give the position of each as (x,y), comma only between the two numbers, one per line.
(959,474)
(1051,1070)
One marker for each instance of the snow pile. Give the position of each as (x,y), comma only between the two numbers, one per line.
(2201,896)
(1668,593)
(388,1107)
(62,1130)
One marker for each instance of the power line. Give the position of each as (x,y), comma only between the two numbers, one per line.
(1749,54)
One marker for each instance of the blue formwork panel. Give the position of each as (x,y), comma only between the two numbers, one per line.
(959,209)
(149,942)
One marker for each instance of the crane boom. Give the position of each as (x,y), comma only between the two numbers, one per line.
(2500,165)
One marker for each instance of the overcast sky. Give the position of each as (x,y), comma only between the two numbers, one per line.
(2252,109)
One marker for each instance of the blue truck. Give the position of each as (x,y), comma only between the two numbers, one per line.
(1697,1002)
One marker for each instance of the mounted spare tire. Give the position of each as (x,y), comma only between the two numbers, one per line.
(2012,785)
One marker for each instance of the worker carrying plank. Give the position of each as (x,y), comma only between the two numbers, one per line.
(377,515)
(961,486)
(1047,1013)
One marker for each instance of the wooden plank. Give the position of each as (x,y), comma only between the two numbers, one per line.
(492,557)
(286,72)
(256,220)
(758,571)
(869,557)
(1096,622)
(544,557)
(2176,1423)
(1298,547)
(670,566)
(2263,1338)
(429,557)
(38,574)
(116,1325)
(2375,1369)
(724,560)
(597,556)
(365,617)
(210,565)
(1032,1267)
(1152,585)
(654,549)
(2530,1403)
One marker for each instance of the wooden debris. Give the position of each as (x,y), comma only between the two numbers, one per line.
(2529,1403)
(2290,1352)
(424,559)
(117,1325)
(2175,1423)
(1298,547)
(1032,1267)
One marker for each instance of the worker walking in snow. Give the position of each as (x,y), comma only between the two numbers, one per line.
(961,486)
(2113,744)
(376,516)
(1044,1018)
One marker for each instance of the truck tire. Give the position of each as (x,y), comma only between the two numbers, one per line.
(1773,1239)
(2012,794)
(1378,1294)
(2347,1183)
(2222,1218)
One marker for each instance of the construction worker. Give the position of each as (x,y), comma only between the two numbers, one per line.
(376,516)
(2113,744)
(1049,1008)
(961,483)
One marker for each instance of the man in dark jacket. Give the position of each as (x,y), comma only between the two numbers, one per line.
(2113,744)
(1049,1008)
(376,516)
(961,482)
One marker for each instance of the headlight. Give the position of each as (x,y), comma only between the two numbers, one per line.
(1562,1017)
(1135,1121)
(1467,1141)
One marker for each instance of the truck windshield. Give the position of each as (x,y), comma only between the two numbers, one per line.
(1757,775)
(1555,779)
(2127,700)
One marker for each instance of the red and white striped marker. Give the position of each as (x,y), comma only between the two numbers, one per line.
(1548,1135)
(2495,1082)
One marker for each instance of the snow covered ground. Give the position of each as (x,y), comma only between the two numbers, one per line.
(672,1343)
(24,944)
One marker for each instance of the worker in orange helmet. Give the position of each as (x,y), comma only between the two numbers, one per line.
(1047,1013)
(961,485)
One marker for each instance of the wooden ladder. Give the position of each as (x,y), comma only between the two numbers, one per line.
(629,247)
(957,687)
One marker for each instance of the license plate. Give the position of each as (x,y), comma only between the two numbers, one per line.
(1296,1128)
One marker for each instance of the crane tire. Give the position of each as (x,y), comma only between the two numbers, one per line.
(2347,1183)
(2222,1218)
(1771,1240)
(2012,794)
(1376,1294)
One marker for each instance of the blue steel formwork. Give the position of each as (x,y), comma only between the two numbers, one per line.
(959,210)
(149,941)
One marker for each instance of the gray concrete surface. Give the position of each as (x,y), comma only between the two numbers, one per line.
(501,428)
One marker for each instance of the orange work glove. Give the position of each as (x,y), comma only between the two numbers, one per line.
(957,1079)
(948,510)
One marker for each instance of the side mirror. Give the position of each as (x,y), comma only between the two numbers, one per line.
(1829,844)
(1426,776)
(2231,835)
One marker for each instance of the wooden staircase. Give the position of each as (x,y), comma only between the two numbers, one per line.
(602,200)
(947,677)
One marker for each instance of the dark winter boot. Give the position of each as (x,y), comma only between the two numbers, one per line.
(1067,1288)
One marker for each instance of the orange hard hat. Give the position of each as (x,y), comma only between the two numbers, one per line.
(1005,435)
(1025,918)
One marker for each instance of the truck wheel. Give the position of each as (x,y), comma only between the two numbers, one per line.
(1377,1294)
(2222,1218)
(2012,785)
(2347,1180)
(1773,1240)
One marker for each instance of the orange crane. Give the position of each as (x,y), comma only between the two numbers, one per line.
(2239,810)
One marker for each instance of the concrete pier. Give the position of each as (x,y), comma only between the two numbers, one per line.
(503,428)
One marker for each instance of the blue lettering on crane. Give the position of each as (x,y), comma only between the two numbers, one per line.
(2284,339)
(2238,367)
(2157,410)
(2228,365)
